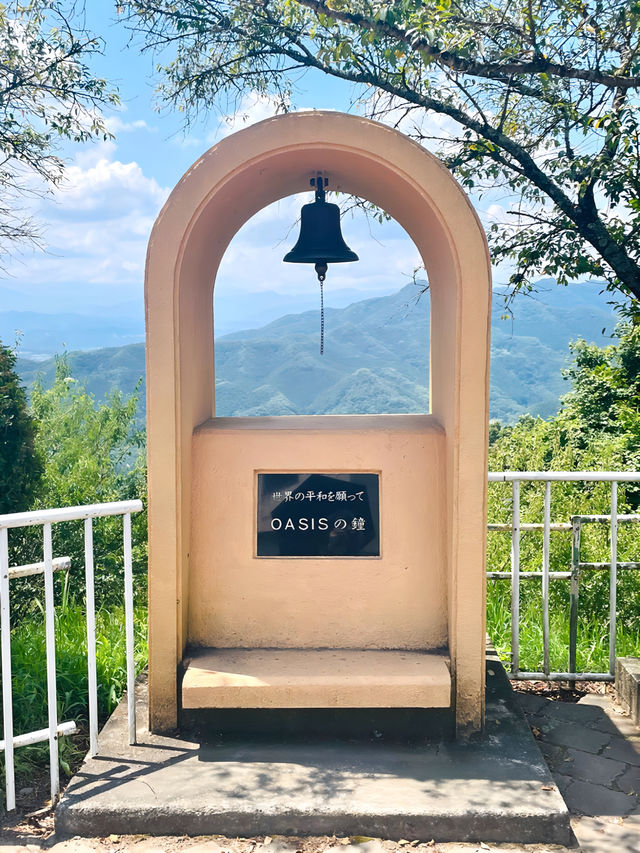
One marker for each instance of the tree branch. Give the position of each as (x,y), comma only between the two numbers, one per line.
(490,70)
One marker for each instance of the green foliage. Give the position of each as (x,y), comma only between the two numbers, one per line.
(598,428)
(495,428)
(47,93)
(91,450)
(90,453)
(593,639)
(539,98)
(604,405)
(93,453)
(20,463)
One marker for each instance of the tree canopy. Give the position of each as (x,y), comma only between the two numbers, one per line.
(47,94)
(88,452)
(536,97)
(598,425)
(21,465)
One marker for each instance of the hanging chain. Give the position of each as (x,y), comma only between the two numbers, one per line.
(322,316)
(321,270)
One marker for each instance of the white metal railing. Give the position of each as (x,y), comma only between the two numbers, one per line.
(575,527)
(46,518)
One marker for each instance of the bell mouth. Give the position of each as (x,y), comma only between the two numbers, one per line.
(345,258)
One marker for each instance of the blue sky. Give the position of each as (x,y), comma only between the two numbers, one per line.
(97,224)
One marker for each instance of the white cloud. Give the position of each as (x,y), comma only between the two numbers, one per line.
(115,124)
(97,224)
(87,157)
(106,188)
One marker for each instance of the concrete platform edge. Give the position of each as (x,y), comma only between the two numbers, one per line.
(117,792)
(471,827)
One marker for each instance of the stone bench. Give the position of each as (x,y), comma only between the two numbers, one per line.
(311,678)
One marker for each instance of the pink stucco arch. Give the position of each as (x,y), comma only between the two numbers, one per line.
(223,189)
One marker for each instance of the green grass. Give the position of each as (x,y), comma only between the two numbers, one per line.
(567,499)
(28,661)
(592,653)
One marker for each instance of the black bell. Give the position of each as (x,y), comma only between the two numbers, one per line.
(320,241)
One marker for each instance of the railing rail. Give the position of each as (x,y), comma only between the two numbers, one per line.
(575,524)
(565,476)
(46,518)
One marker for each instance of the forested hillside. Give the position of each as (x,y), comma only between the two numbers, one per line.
(376,357)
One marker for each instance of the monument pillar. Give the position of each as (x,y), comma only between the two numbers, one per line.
(222,190)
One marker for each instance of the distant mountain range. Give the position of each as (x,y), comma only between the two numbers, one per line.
(376,357)
(61,317)
(65,320)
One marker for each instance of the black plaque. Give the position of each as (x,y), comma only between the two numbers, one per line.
(318,515)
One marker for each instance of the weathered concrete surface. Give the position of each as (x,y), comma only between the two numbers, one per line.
(497,788)
(628,686)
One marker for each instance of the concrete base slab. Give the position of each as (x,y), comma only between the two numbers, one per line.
(496,788)
(628,686)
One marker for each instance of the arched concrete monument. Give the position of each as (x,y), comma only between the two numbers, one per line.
(421,596)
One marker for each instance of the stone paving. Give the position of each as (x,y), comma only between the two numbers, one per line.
(593,751)
(592,748)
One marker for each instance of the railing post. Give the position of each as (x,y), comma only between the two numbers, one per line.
(128,615)
(91,637)
(613,579)
(545,577)
(50,634)
(574,592)
(7,699)
(515,578)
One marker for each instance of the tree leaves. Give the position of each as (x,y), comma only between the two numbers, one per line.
(47,93)
(21,465)
(542,97)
